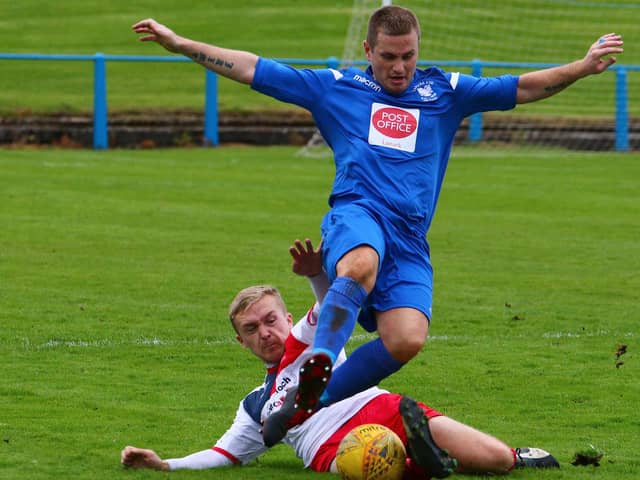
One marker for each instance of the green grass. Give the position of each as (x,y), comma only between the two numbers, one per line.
(524,31)
(83,27)
(116,269)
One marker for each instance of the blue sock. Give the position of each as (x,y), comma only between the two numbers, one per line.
(338,315)
(365,367)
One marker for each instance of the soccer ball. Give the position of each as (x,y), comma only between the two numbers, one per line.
(371,452)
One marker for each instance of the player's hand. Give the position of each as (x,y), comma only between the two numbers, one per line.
(134,457)
(306,261)
(599,57)
(156,32)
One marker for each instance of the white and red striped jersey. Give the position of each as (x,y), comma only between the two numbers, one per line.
(242,442)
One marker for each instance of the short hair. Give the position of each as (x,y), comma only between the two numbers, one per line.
(391,20)
(246,297)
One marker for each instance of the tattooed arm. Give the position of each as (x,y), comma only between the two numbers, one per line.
(234,64)
(541,84)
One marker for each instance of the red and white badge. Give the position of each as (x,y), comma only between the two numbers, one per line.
(394,127)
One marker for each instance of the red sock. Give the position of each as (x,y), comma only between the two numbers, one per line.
(515,459)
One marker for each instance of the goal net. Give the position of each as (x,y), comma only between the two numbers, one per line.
(352,53)
(494,37)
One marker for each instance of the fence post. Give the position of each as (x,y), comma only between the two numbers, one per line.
(333,62)
(475,120)
(211,138)
(100,137)
(622,114)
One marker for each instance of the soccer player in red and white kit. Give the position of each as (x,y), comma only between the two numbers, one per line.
(436,444)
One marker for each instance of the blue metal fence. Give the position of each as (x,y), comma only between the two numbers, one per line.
(211,138)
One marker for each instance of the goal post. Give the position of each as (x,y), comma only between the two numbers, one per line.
(351,52)
(357,29)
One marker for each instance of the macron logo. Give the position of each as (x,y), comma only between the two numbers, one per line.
(365,81)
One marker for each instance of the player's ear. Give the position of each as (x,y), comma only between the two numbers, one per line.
(289,319)
(367,49)
(240,341)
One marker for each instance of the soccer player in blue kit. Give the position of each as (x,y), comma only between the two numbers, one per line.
(391,129)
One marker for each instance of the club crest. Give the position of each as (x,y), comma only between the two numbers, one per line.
(426,93)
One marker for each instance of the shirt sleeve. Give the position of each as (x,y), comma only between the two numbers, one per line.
(482,94)
(242,442)
(209,458)
(302,87)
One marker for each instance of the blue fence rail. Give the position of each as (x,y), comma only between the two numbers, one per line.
(211,138)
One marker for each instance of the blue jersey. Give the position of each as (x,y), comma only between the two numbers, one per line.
(391,152)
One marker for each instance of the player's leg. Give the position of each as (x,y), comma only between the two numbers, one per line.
(403,295)
(402,334)
(402,299)
(356,273)
(424,453)
(403,331)
(353,244)
(355,277)
(479,452)
(475,451)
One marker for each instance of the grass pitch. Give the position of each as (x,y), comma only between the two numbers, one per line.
(117,268)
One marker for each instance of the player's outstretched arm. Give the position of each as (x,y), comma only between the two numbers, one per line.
(134,457)
(541,84)
(234,64)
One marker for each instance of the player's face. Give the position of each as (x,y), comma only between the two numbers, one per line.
(393,60)
(263,329)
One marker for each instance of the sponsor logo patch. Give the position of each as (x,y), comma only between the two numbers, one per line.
(394,127)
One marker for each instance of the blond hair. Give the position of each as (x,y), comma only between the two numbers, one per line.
(247,297)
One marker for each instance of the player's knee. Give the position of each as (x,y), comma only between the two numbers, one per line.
(404,348)
(360,264)
(403,332)
(412,346)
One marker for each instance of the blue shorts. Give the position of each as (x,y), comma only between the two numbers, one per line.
(405,275)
